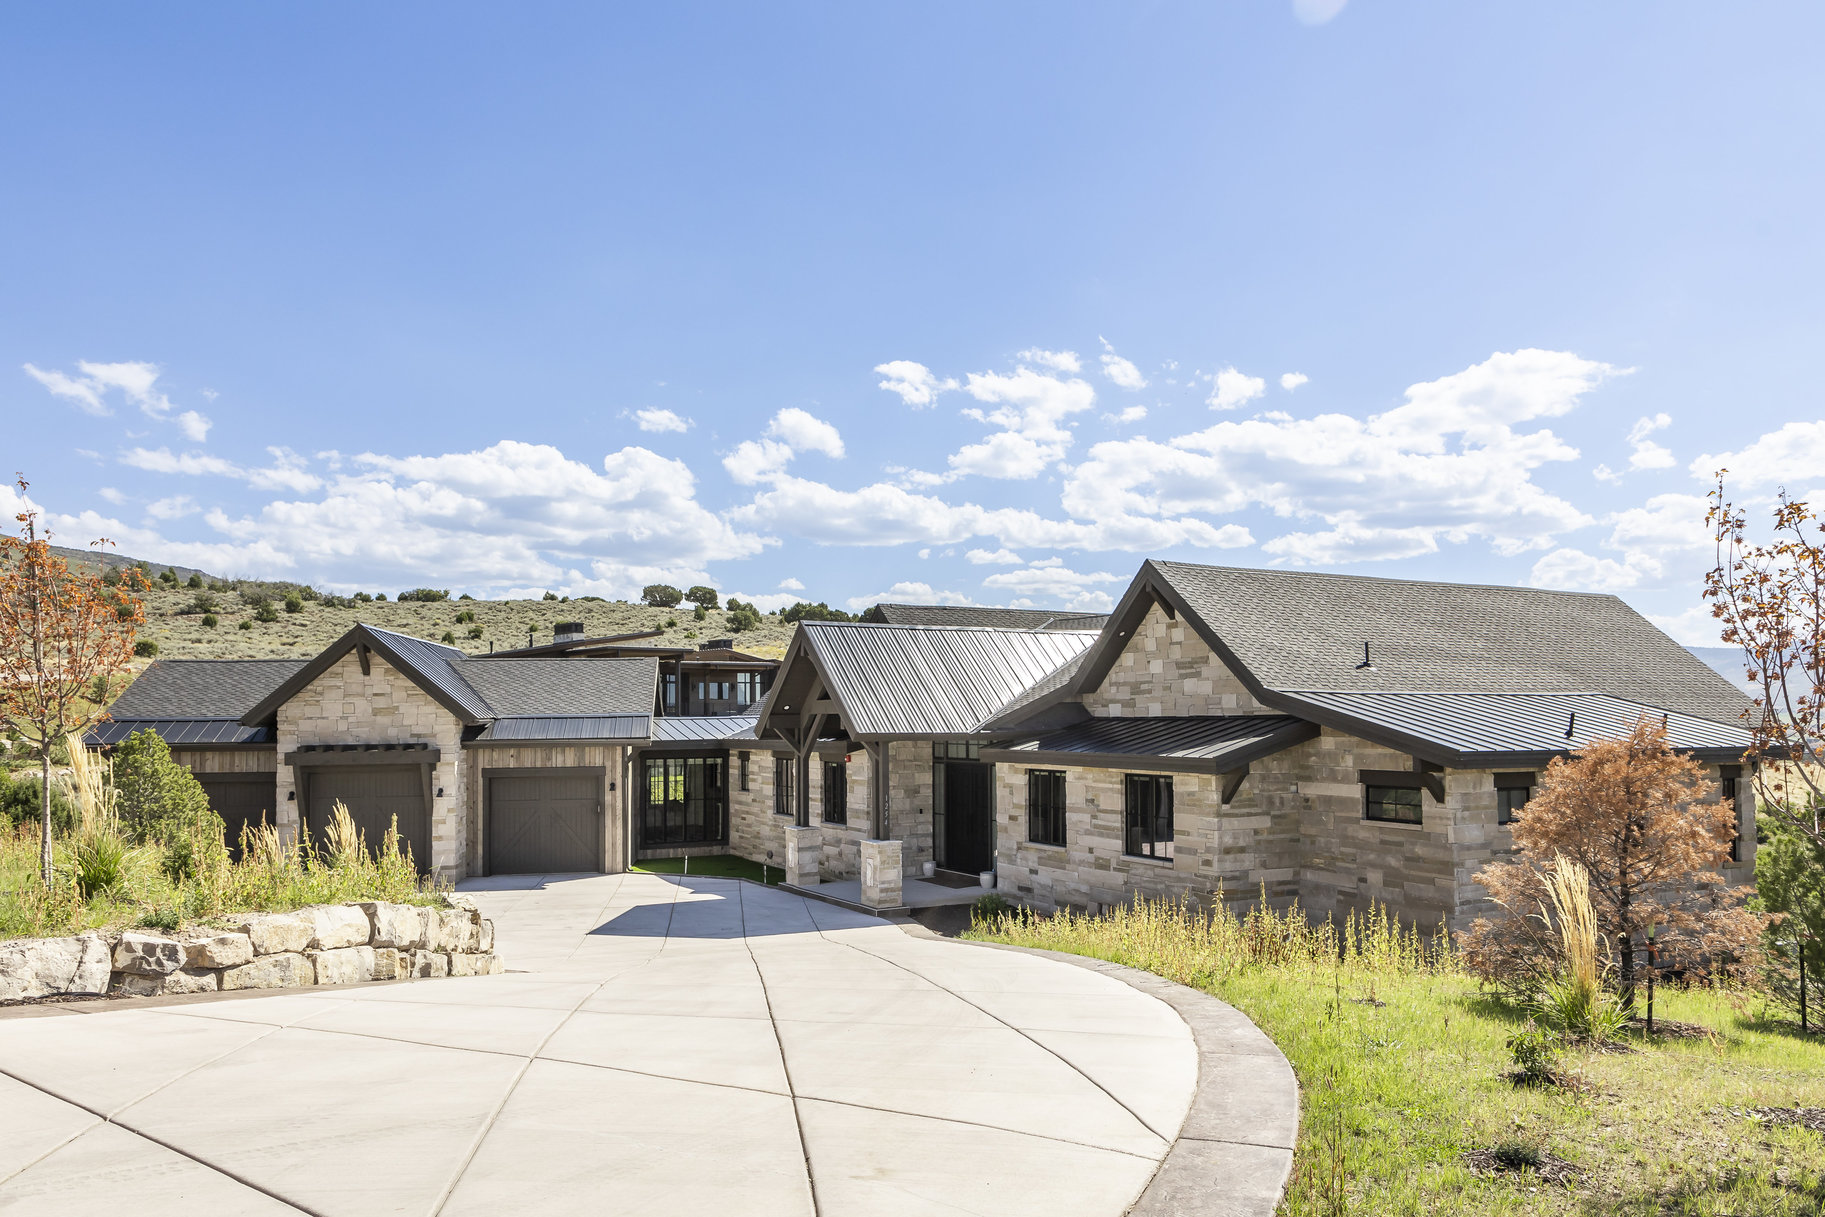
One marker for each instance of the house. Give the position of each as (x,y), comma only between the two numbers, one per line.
(1333,740)
(712,679)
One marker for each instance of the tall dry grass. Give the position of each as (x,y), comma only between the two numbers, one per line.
(1576,1000)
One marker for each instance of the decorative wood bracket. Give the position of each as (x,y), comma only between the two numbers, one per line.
(1232,782)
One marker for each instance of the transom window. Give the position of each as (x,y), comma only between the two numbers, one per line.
(836,792)
(782,786)
(1046,806)
(1391,804)
(1512,791)
(955,750)
(686,803)
(1147,800)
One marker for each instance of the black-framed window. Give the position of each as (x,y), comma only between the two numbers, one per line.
(1728,777)
(670,684)
(835,796)
(782,786)
(712,690)
(750,687)
(1512,791)
(1391,804)
(741,760)
(1046,806)
(1147,808)
(686,801)
(955,750)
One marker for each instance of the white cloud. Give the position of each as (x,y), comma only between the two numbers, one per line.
(1132,414)
(1057,361)
(1054,582)
(653,418)
(805,432)
(1644,453)
(175,507)
(1695,627)
(287,472)
(1292,380)
(1793,456)
(914,382)
(791,585)
(907,593)
(1317,12)
(1031,408)
(768,602)
(1231,388)
(1664,541)
(993,557)
(137,382)
(84,393)
(194,426)
(1576,571)
(1444,466)
(112,495)
(1121,371)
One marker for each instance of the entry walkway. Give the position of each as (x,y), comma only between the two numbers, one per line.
(660,1045)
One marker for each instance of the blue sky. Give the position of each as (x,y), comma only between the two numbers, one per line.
(961,301)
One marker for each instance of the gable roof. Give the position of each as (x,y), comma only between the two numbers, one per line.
(1003,618)
(1284,632)
(201,688)
(429,665)
(921,680)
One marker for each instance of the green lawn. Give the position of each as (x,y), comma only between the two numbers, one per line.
(1401,1071)
(714,866)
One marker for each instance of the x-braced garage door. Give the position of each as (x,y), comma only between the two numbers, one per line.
(374,795)
(544,822)
(243,800)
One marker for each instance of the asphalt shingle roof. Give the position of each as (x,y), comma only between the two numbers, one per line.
(202,688)
(558,687)
(1297,630)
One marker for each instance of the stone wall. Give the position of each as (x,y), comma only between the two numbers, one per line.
(756,833)
(342,706)
(325,944)
(1167,669)
(909,802)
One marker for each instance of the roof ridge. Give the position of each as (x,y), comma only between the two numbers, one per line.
(1325,574)
(928,625)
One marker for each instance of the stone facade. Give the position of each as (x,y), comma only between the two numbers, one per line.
(1167,669)
(344,706)
(757,833)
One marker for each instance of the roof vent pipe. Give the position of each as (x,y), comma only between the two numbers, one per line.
(1571,724)
(1365,665)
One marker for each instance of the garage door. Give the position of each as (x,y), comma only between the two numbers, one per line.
(374,795)
(243,800)
(545,824)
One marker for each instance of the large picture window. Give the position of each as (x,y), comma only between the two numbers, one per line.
(835,796)
(1391,804)
(782,786)
(1046,806)
(1147,803)
(686,802)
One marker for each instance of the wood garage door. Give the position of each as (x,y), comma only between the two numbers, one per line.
(243,800)
(545,823)
(374,794)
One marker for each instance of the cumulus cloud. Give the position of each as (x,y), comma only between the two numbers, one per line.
(1292,380)
(653,418)
(1230,388)
(1132,414)
(194,426)
(287,472)
(1661,542)
(1445,465)
(136,382)
(175,507)
(1057,361)
(913,382)
(1031,408)
(908,593)
(805,432)
(1121,371)
(1053,582)
(1644,453)
(1793,456)
(993,557)
(788,433)
(791,585)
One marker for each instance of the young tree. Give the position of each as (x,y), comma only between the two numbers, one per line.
(1771,600)
(1638,818)
(59,630)
(703,597)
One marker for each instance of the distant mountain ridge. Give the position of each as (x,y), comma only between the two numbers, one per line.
(106,559)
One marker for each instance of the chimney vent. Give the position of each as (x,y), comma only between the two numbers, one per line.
(567,631)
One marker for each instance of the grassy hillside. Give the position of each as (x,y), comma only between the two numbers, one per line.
(182,635)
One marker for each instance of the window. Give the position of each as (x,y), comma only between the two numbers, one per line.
(835,798)
(782,787)
(750,687)
(955,750)
(1148,805)
(1391,804)
(742,759)
(671,691)
(1729,776)
(712,690)
(1512,790)
(685,801)
(1046,806)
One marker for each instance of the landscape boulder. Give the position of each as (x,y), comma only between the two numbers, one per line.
(474,965)
(147,954)
(427,963)
(41,967)
(275,933)
(485,936)
(343,965)
(336,925)
(386,963)
(184,980)
(400,926)
(209,949)
(456,930)
(284,970)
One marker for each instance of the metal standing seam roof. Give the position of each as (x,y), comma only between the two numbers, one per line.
(984,615)
(439,665)
(932,680)
(1491,726)
(708,728)
(566,727)
(1214,743)
(1295,630)
(178,731)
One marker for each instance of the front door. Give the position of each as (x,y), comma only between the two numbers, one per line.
(969,819)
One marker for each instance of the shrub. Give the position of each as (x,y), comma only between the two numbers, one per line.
(1790,885)
(194,581)
(551,595)
(1535,1051)
(380,595)
(814,612)
(168,576)
(362,598)
(20,800)
(990,906)
(145,648)
(660,595)
(465,596)
(112,576)
(294,603)
(702,614)
(266,612)
(465,617)
(475,631)
(161,803)
(743,620)
(104,863)
(202,602)
(210,621)
(1575,1000)
(703,597)
(425,594)
(245,624)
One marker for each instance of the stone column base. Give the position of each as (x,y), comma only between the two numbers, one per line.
(804,851)
(881,874)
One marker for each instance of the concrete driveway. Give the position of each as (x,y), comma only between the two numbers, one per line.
(658,1046)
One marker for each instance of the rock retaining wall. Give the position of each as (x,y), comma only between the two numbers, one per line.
(324,944)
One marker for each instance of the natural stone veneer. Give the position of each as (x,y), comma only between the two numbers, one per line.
(325,944)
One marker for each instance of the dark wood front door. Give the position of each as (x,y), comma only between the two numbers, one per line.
(969,819)
(544,824)
(374,795)
(243,800)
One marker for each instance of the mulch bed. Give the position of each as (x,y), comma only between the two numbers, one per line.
(1666,1028)
(1551,1168)
(1800,1117)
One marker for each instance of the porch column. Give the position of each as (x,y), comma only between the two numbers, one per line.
(804,852)
(881,874)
